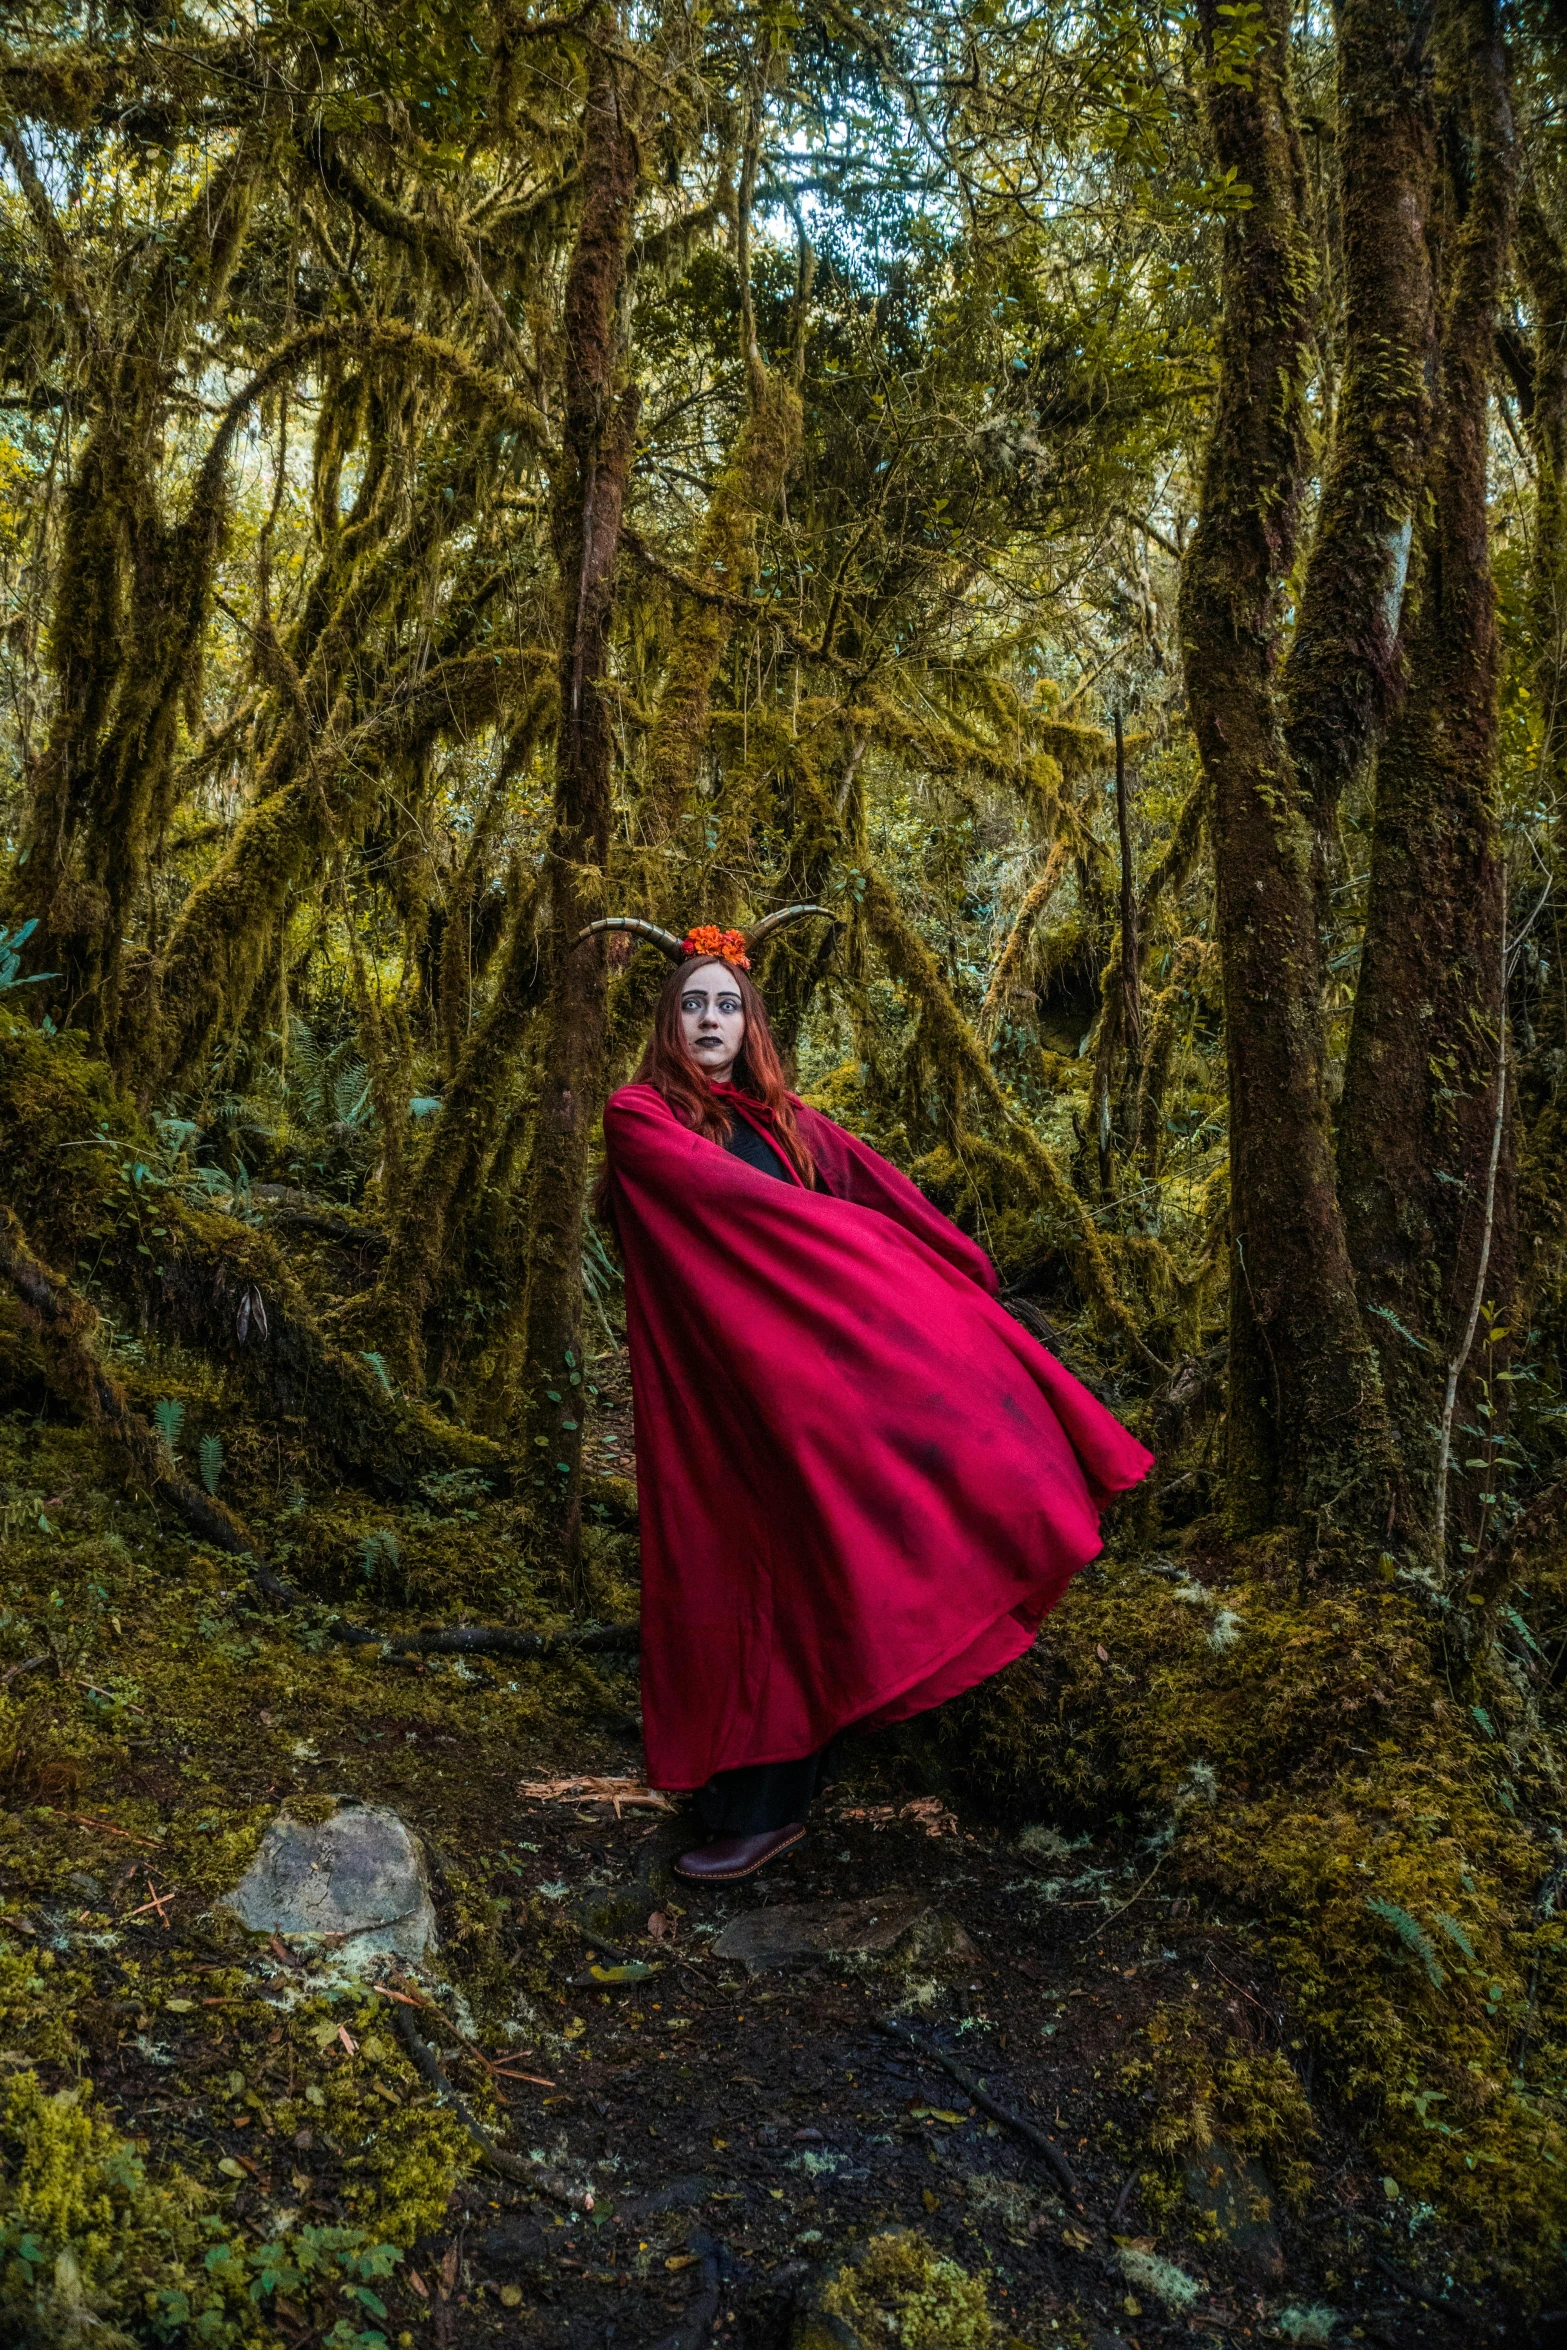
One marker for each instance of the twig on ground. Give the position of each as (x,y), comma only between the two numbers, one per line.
(1122,1907)
(895,2029)
(496,1640)
(82,1819)
(93,1690)
(537,2175)
(29,1664)
(613,1791)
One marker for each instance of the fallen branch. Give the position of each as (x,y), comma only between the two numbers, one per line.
(496,1640)
(537,2175)
(66,1321)
(895,2029)
(590,1790)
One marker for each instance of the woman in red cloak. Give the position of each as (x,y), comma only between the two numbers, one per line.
(862,1483)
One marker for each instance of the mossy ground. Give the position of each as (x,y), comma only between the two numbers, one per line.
(1170,1908)
(1258,1870)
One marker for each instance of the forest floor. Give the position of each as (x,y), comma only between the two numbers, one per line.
(742,2134)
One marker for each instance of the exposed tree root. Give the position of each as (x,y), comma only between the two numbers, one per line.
(536,2175)
(1041,2143)
(65,1323)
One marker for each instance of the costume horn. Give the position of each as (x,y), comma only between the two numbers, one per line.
(665,940)
(771,923)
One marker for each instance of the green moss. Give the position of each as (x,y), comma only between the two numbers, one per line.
(89,2238)
(901,2292)
(1357,1827)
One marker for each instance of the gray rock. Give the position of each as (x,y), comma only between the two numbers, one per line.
(1235,2198)
(355,1883)
(765,1938)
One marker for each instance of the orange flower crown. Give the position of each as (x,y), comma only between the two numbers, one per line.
(727,946)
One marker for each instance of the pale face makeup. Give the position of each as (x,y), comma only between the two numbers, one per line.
(712,1020)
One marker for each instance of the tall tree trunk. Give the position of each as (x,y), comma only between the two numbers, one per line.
(598,437)
(1421,1109)
(1343,673)
(1304,1408)
(1543,259)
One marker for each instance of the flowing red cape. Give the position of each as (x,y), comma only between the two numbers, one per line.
(862,1484)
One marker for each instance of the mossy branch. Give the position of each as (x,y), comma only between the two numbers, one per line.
(66,1324)
(911,962)
(1004,978)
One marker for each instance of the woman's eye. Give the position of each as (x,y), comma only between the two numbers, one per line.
(729,1003)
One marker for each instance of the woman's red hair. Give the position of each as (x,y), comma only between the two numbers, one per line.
(758,1071)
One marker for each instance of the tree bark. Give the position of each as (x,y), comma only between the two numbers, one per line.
(1543,264)
(1305,1413)
(1343,674)
(597,444)
(1420,1108)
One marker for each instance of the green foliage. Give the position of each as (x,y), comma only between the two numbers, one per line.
(210,1455)
(11,945)
(169,1416)
(1412,1934)
(89,2238)
(379,1557)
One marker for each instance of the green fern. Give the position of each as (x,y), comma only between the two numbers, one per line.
(170,1417)
(1456,1935)
(378,1552)
(306,1077)
(1412,1934)
(377,1364)
(351,1094)
(210,1454)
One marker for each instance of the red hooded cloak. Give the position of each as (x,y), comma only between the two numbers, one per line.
(862,1484)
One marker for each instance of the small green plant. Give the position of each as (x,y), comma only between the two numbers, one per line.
(170,1418)
(210,1456)
(377,1364)
(1413,1936)
(11,941)
(378,1554)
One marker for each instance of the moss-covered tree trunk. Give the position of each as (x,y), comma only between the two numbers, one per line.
(1343,673)
(598,436)
(1542,257)
(131,593)
(1304,1407)
(1426,1218)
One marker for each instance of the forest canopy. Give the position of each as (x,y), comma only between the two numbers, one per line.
(1080,494)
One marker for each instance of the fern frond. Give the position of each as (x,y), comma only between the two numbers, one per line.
(1412,1934)
(378,1550)
(1456,1935)
(377,1364)
(210,1455)
(170,1417)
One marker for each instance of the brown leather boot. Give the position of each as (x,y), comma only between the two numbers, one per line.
(727,1857)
